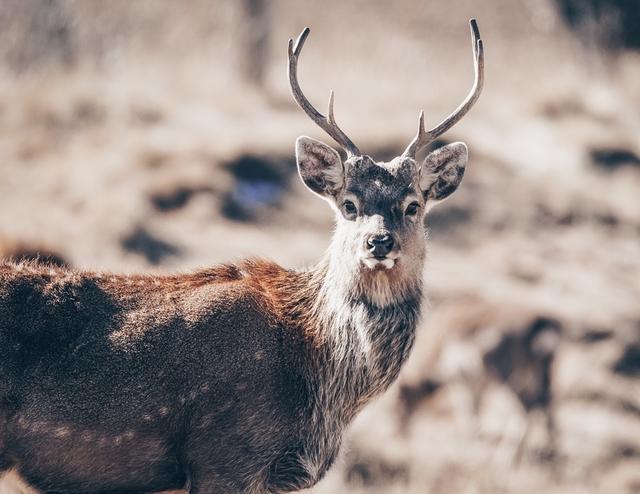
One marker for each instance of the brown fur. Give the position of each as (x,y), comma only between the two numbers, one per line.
(97,367)
(44,355)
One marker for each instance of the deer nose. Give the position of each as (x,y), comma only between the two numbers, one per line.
(380,245)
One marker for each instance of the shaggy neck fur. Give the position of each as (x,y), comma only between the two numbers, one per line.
(367,318)
(365,324)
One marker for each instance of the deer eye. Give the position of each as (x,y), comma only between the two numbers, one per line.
(412,209)
(349,208)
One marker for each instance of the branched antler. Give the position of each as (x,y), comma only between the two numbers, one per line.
(424,137)
(328,124)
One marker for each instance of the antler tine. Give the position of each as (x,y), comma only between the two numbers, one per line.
(419,141)
(330,116)
(423,137)
(328,124)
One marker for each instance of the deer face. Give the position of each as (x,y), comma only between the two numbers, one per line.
(380,207)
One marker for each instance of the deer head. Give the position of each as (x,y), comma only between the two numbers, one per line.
(380,206)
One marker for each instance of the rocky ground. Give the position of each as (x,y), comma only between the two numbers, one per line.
(128,141)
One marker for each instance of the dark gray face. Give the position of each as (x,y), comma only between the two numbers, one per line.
(384,203)
(380,206)
(381,188)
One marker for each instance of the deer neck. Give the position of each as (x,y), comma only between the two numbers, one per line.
(367,322)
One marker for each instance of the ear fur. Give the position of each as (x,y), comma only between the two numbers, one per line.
(320,166)
(442,171)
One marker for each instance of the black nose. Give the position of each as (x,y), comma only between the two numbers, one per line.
(380,245)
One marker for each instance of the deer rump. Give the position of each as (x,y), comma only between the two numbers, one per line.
(128,384)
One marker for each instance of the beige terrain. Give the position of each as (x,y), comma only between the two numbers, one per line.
(130,141)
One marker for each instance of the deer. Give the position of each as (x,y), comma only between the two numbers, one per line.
(477,344)
(240,377)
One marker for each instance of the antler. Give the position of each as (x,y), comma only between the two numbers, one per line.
(425,137)
(328,124)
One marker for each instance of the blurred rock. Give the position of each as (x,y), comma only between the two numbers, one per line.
(629,362)
(613,158)
(608,23)
(259,183)
(153,249)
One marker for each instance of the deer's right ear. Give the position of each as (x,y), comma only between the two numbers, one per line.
(320,166)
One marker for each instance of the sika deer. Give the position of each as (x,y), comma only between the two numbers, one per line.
(237,378)
(480,344)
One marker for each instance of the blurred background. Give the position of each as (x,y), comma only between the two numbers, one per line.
(158,135)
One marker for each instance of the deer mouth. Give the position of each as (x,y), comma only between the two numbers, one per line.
(381,262)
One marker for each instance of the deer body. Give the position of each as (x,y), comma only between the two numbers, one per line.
(127,383)
(237,378)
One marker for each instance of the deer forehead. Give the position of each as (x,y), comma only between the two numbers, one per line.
(380,182)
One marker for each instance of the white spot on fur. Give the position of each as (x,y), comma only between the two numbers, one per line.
(259,355)
(163,411)
(61,431)
(207,420)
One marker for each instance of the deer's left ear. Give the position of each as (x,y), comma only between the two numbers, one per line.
(442,171)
